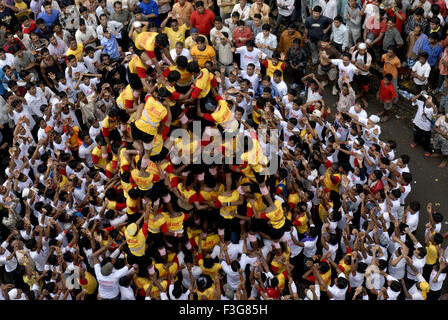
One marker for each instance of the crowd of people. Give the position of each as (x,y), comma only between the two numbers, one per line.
(103,199)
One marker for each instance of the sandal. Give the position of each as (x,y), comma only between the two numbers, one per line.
(413,146)
(427,154)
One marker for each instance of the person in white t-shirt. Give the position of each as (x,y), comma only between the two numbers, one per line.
(346,69)
(92,59)
(417,262)
(339,289)
(436,279)
(249,54)
(279,84)
(426,109)
(420,71)
(108,279)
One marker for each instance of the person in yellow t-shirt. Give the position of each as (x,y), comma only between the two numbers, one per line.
(228,203)
(202,52)
(206,289)
(206,263)
(24,9)
(88,282)
(433,241)
(75,49)
(176,32)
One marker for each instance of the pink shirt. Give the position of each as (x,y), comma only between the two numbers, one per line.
(60,50)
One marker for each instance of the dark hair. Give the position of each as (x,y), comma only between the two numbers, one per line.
(250,43)
(419,11)
(317,9)
(266,27)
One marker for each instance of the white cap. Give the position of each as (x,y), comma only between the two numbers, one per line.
(12,294)
(374,118)
(196,272)
(25,193)
(317,113)
(362,46)
(137,24)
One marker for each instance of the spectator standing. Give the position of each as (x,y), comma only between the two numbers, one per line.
(202,19)
(386,95)
(423,120)
(315,27)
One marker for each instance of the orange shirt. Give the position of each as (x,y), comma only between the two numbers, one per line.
(391,65)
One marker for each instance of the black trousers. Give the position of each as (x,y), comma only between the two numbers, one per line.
(422,138)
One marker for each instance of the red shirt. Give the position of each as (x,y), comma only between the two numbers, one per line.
(203,22)
(398,23)
(387,93)
(237,34)
(31,28)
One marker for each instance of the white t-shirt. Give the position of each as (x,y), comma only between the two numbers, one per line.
(84,37)
(92,64)
(254,80)
(436,286)
(183,296)
(397,271)
(423,116)
(85,152)
(108,287)
(421,70)
(126,293)
(233,278)
(249,57)
(412,220)
(10,265)
(310,248)
(338,294)
(281,87)
(418,264)
(356,280)
(343,69)
(295,249)
(361,115)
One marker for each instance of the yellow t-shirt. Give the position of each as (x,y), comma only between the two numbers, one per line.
(432,254)
(277,217)
(154,112)
(22,5)
(203,56)
(91,285)
(227,211)
(77,53)
(176,36)
(212,271)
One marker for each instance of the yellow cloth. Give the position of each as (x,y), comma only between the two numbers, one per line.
(176,36)
(77,52)
(153,113)
(203,56)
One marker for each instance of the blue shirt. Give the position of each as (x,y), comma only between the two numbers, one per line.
(149,8)
(433,53)
(111,46)
(274,92)
(49,19)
